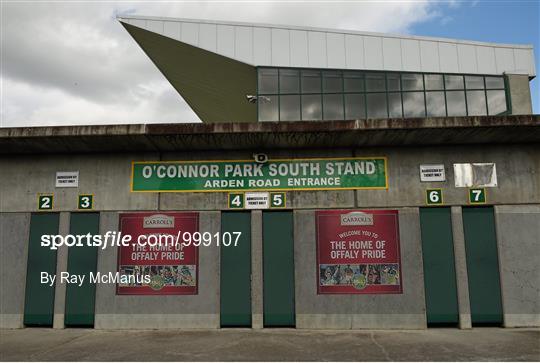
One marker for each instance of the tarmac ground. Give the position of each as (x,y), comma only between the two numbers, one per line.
(444,344)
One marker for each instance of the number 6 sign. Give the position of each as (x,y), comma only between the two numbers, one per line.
(434,197)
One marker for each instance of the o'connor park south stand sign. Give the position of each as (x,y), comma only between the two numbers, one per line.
(273,175)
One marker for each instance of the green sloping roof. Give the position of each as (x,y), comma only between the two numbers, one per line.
(214,86)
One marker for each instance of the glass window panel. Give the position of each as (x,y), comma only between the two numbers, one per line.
(474,82)
(288,81)
(333,107)
(476,103)
(453,82)
(496,102)
(393,81)
(412,82)
(311,107)
(435,104)
(455,101)
(311,82)
(353,81)
(289,108)
(394,105)
(376,105)
(375,82)
(413,104)
(332,82)
(494,82)
(355,107)
(268,81)
(434,82)
(268,108)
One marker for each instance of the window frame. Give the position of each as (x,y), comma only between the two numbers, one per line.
(365,92)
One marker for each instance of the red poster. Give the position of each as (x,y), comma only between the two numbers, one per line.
(358,252)
(149,267)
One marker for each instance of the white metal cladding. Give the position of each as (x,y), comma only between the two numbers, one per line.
(287,46)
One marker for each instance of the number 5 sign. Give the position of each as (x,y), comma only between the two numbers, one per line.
(277,200)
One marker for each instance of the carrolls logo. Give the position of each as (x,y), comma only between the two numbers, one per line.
(357,219)
(158,221)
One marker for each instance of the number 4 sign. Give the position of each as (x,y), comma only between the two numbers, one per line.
(477,196)
(236,200)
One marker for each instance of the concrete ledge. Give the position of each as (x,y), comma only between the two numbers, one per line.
(360,321)
(521,320)
(300,134)
(157,321)
(11,321)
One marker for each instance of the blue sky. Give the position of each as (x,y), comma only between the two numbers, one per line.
(491,21)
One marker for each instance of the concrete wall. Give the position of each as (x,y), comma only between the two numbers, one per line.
(518,237)
(108,178)
(14,232)
(517,181)
(199,311)
(517,201)
(520,94)
(384,311)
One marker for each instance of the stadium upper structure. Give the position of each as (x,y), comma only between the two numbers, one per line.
(257,72)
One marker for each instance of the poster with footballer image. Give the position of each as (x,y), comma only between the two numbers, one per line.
(358,252)
(167,268)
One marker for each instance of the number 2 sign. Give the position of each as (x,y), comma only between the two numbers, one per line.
(45,201)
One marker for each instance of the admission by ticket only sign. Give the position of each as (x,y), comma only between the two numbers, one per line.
(274,175)
(358,252)
(166,268)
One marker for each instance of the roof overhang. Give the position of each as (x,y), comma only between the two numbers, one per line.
(272,135)
(307,47)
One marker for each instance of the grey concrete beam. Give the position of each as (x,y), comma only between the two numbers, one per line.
(460,261)
(257,320)
(519,94)
(61,266)
(518,230)
(14,233)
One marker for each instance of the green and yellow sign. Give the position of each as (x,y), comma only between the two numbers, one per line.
(245,175)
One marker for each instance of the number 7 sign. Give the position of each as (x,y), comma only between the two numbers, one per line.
(477,196)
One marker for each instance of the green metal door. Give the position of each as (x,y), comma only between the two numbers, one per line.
(236,271)
(278,269)
(439,267)
(482,265)
(39,298)
(80,300)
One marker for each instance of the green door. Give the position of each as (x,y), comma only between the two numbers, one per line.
(236,271)
(39,298)
(482,265)
(278,269)
(80,300)
(439,267)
